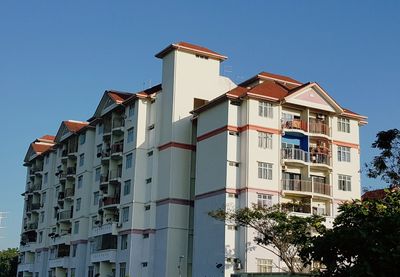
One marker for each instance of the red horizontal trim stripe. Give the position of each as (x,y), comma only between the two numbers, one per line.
(177,145)
(237,129)
(176,201)
(137,231)
(347,144)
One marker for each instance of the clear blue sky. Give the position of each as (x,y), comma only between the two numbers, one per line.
(57,58)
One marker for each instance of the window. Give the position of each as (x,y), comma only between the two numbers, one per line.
(264,265)
(125,214)
(122,269)
(130,135)
(150,153)
(127,187)
(80,181)
(265,109)
(46,178)
(74,247)
(82,138)
(264,140)
(146,236)
(264,200)
(41,217)
(97,175)
(76,227)
(344,182)
(147,207)
(343,154)
(43,198)
(148,180)
(72,272)
(124,242)
(81,159)
(131,111)
(99,149)
(94,219)
(78,204)
(343,125)
(46,159)
(96,198)
(100,128)
(264,170)
(40,236)
(128,161)
(91,271)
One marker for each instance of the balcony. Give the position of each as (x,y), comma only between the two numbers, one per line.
(105,155)
(115,176)
(295,124)
(34,207)
(118,125)
(31,226)
(296,185)
(64,215)
(107,130)
(299,186)
(322,188)
(71,171)
(59,262)
(69,192)
(61,196)
(303,208)
(64,155)
(320,159)
(116,150)
(109,202)
(318,127)
(25,267)
(36,187)
(295,154)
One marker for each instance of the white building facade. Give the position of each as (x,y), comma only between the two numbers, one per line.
(128,192)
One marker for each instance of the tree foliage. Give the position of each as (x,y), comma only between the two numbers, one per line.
(387,164)
(364,240)
(279,232)
(8,262)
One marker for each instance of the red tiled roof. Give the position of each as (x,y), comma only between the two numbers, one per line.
(118,96)
(278,77)
(270,89)
(185,46)
(144,93)
(40,148)
(74,126)
(374,194)
(47,138)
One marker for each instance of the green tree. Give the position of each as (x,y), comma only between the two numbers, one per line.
(9,262)
(387,164)
(279,232)
(364,240)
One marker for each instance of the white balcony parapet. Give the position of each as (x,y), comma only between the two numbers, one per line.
(59,262)
(25,267)
(104,255)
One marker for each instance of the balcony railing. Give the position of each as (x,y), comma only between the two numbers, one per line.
(118,123)
(295,124)
(316,127)
(32,226)
(294,154)
(35,206)
(117,148)
(69,192)
(71,170)
(306,186)
(297,207)
(115,174)
(322,188)
(296,185)
(320,158)
(107,201)
(64,215)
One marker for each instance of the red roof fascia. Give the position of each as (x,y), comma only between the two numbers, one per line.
(191,48)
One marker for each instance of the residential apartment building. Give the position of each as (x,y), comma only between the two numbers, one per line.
(127,192)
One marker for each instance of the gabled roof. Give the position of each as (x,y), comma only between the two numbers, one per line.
(69,127)
(191,48)
(143,94)
(279,88)
(285,80)
(39,147)
(110,98)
